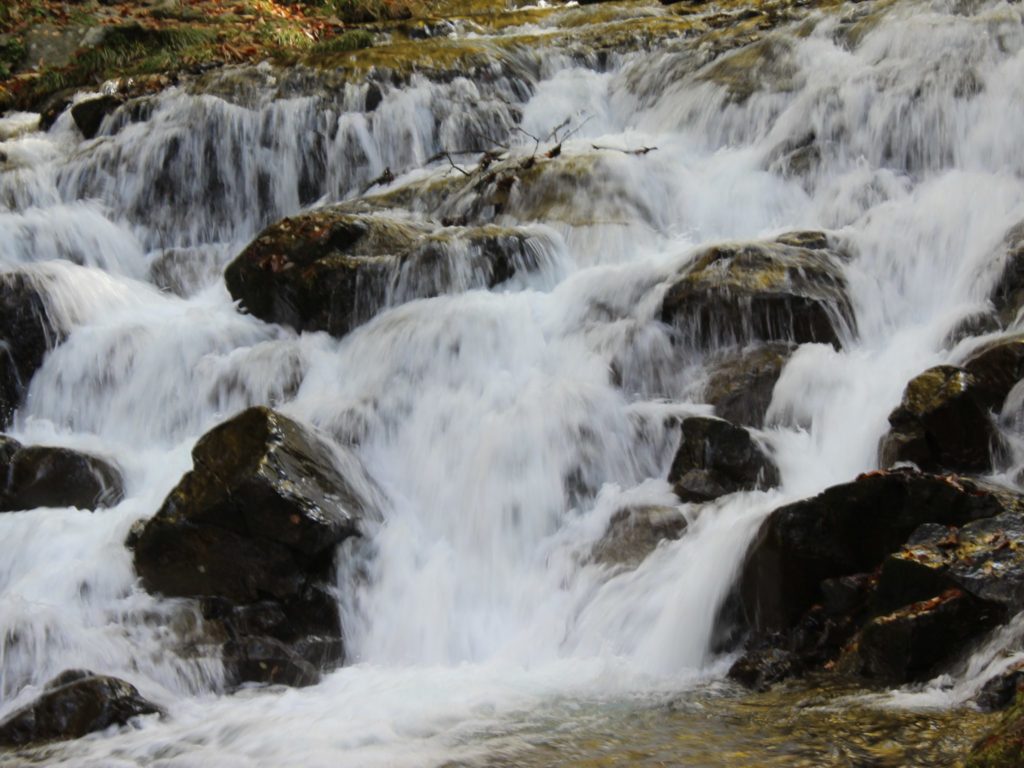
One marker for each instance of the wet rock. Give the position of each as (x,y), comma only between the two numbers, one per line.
(374,97)
(253,530)
(796,157)
(27,333)
(812,239)
(332,271)
(89,113)
(54,106)
(997,367)
(943,423)
(846,595)
(913,642)
(716,458)
(984,558)
(633,533)
(1000,691)
(266,660)
(1008,293)
(762,668)
(43,476)
(183,271)
(740,293)
(73,704)
(849,529)
(765,65)
(741,382)
(262,508)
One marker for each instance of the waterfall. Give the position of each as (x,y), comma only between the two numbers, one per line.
(507,426)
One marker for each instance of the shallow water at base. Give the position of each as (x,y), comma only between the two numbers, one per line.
(806,725)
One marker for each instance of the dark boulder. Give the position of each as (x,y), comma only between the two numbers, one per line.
(943,423)
(716,458)
(332,271)
(73,704)
(1008,292)
(633,533)
(741,382)
(43,476)
(264,659)
(913,642)
(27,333)
(1000,691)
(740,293)
(761,668)
(262,507)
(253,529)
(89,113)
(984,558)
(849,529)
(997,367)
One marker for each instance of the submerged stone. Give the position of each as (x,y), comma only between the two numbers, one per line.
(741,382)
(633,533)
(746,292)
(716,458)
(73,704)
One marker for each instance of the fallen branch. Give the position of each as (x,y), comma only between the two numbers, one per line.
(641,151)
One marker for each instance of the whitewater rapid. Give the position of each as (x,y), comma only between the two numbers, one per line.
(475,603)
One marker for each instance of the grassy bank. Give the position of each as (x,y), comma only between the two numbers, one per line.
(47,46)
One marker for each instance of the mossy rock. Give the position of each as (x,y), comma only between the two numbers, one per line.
(741,381)
(943,423)
(767,291)
(634,532)
(332,271)
(766,65)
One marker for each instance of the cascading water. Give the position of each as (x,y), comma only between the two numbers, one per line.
(490,419)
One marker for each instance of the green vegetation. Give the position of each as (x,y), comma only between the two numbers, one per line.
(132,39)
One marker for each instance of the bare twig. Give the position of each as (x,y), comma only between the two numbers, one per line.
(385,178)
(451,161)
(641,151)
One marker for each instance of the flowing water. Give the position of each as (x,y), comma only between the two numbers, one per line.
(478,629)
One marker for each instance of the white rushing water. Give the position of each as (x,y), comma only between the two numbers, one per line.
(472,410)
